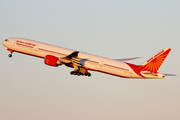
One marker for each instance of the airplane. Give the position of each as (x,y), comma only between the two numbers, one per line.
(83,62)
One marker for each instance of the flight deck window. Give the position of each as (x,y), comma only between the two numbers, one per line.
(6,40)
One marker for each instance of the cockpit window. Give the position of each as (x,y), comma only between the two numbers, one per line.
(6,40)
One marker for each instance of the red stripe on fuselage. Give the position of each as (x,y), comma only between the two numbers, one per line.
(106,73)
(26,53)
(85,68)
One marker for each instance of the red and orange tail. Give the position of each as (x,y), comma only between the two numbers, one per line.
(154,63)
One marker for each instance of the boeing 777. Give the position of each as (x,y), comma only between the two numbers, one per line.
(83,62)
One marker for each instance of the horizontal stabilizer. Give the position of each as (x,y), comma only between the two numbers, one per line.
(126,59)
(170,75)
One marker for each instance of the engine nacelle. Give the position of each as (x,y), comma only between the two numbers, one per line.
(52,61)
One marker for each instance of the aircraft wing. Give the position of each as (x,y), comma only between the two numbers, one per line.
(75,61)
(126,59)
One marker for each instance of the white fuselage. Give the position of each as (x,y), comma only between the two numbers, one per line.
(91,62)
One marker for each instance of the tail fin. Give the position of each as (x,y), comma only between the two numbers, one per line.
(154,63)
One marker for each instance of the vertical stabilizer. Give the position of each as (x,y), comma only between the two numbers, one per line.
(154,63)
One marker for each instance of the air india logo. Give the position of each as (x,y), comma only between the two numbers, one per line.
(155,62)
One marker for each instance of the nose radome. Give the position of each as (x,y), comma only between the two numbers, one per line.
(3,42)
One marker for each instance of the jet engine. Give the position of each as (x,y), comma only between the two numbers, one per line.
(52,61)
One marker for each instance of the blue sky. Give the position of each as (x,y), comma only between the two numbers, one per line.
(111,28)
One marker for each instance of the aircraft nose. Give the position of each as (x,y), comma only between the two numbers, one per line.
(3,42)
